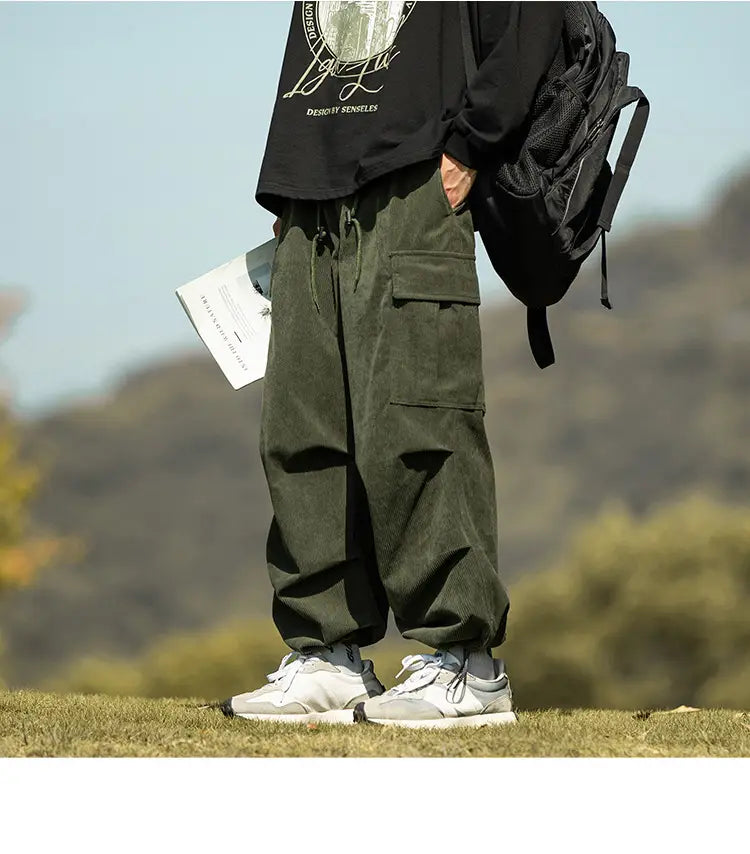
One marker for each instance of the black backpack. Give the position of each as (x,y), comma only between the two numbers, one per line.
(541,215)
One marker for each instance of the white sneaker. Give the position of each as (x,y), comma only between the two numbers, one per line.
(441,693)
(307,688)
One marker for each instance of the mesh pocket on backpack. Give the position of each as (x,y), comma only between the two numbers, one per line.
(557,114)
(560,111)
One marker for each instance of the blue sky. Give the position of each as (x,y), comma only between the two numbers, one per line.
(131,136)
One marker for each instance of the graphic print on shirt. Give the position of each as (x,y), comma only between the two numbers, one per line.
(350,41)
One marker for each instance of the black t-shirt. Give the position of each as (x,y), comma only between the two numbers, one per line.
(368,87)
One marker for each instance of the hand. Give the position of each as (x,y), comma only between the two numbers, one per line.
(457,179)
(277,227)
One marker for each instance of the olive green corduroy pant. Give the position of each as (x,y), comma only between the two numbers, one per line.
(372,429)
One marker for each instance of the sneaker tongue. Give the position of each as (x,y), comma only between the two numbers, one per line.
(342,655)
(453,657)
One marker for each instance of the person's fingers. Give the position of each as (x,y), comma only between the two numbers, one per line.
(457,180)
(277,227)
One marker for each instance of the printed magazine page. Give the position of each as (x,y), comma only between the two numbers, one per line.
(231,312)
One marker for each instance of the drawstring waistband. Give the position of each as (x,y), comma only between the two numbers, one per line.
(319,237)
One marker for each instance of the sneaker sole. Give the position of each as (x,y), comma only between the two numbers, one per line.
(470,721)
(336,716)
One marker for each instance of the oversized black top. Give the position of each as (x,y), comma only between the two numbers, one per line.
(368,87)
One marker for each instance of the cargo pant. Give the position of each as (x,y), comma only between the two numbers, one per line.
(372,429)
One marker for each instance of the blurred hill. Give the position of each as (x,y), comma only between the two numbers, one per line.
(163,480)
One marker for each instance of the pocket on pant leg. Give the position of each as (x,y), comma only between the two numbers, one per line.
(435,340)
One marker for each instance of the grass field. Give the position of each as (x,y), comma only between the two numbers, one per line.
(36,724)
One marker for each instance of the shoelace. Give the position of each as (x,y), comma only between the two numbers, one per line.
(427,668)
(289,668)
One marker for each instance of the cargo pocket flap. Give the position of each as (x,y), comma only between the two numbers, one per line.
(435,276)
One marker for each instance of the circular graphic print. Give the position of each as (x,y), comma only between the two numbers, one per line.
(355,31)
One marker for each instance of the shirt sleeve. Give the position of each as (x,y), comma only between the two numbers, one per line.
(517,43)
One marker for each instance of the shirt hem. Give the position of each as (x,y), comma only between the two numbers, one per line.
(273,189)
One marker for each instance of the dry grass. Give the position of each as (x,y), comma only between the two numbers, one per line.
(37,724)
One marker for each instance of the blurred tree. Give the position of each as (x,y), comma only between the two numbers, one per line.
(22,554)
(23,551)
(639,613)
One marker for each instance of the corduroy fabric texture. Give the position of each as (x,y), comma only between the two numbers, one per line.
(372,429)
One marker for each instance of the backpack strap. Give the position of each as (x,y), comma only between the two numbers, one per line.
(539,337)
(628,94)
(633,137)
(536,320)
(604,297)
